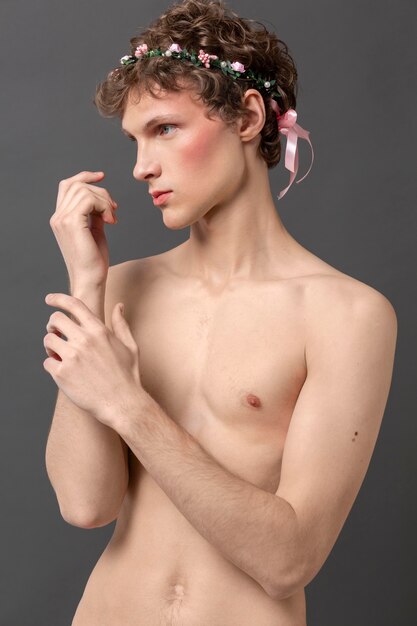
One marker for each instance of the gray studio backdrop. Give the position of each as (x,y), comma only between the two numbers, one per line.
(356,210)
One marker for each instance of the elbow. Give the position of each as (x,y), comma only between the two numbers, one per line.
(87,520)
(286,586)
(282,593)
(302,572)
(286,590)
(292,578)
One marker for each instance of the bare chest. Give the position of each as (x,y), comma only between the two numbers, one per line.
(227,369)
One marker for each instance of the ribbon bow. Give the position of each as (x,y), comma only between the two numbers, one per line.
(287,126)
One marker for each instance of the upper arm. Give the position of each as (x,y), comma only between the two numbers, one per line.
(350,351)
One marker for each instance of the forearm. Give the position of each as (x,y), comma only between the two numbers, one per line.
(85,464)
(254,529)
(85,460)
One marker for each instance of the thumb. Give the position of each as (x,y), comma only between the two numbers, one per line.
(120,326)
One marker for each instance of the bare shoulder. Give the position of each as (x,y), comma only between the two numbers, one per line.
(131,269)
(333,292)
(339,305)
(125,280)
(142,271)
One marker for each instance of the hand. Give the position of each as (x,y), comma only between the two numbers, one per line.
(78,226)
(96,368)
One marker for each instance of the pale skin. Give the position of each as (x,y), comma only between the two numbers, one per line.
(248,380)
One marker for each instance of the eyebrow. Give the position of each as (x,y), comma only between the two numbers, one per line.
(152,122)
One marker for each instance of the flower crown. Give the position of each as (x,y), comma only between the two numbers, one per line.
(286,122)
(203,59)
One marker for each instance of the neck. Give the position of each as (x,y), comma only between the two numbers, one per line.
(241,239)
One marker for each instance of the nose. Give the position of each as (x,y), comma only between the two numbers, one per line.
(146,166)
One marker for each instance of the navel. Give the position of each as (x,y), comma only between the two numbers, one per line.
(179,590)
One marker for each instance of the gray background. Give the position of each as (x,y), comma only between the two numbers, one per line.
(356,210)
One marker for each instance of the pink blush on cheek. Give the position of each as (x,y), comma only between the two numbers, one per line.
(198,150)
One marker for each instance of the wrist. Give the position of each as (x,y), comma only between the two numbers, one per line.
(92,296)
(129,410)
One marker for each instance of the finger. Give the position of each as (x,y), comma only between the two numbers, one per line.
(103,191)
(52,366)
(88,201)
(85,176)
(74,306)
(98,191)
(52,354)
(121,327)
(62,325)
(54,345)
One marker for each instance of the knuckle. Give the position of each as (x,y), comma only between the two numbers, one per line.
(86,340)
(72,354)
(46,339)
(59,369)
(99,330)
(56,221)
(81,194)
(55,316)
(65,220)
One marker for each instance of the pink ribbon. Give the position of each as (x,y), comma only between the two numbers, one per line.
(291,130)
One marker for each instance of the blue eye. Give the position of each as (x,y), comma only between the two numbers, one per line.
(166,126)
(158,127)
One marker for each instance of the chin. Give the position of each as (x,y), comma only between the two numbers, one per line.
(172,220)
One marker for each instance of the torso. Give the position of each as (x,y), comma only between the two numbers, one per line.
(228,368)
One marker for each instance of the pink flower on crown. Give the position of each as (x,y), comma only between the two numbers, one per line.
(141,49)
(238,67)
(205,57)
(175,47)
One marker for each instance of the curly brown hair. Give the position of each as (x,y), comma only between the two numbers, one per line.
(211,25)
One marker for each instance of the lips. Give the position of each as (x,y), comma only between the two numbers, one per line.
(155,194)
(161,198)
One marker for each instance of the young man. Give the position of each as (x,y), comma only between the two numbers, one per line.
(228,420)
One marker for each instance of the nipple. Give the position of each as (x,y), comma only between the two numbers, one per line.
(253,400)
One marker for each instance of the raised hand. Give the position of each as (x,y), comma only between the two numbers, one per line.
(78,226)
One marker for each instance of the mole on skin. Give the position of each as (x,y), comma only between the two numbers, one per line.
(356,432)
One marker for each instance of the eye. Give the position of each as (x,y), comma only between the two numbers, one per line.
(158,127)
(166,126)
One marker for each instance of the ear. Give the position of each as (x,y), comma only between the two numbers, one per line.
(254,118)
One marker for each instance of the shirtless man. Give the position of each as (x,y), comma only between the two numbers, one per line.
(228,419)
